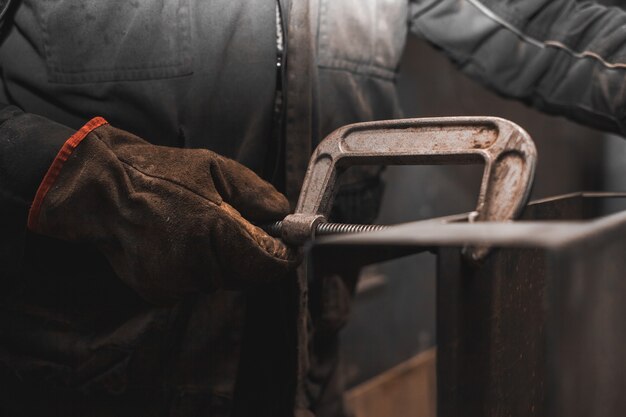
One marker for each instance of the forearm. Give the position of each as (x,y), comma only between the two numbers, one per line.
(28,144)
(559,56)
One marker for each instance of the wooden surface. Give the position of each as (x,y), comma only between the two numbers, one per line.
(406,390)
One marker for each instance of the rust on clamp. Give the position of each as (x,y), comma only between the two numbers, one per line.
(300,227)
(506,150)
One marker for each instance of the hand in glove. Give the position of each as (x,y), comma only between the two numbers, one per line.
(170,221)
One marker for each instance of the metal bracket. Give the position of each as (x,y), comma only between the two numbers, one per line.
(507,151)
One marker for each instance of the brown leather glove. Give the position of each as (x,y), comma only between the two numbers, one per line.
(170,221)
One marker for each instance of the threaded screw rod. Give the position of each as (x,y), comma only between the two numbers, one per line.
(324,229)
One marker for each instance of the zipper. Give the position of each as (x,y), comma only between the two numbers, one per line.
(274,165)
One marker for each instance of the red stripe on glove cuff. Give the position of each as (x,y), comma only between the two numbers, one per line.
(55,169)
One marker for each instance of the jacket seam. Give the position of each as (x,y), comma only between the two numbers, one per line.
(327,59)
(471,62)
(3,11)
(542,44)
(386,75)
(143,67)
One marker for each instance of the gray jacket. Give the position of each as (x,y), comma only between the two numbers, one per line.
(204,74)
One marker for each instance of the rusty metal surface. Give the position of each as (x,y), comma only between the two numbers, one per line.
(546,223)
(491,334)
(538,328)
(505,149)
(585,331)
(537,331)
(558,223)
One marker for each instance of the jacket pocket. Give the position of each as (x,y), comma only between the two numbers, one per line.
(362,36)
(114,40)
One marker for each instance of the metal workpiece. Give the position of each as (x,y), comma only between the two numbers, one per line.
(538,328)
(506,150)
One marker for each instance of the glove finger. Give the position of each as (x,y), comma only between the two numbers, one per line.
(196,169)
(249,255)
(255,198)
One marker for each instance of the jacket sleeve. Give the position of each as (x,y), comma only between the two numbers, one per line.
(559,56)
(4,9)
(28,145)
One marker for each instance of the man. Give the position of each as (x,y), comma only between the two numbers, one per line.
(134,281)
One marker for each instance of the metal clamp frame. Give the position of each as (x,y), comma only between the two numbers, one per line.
(507,151)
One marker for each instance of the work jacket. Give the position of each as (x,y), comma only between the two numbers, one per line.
(74,339)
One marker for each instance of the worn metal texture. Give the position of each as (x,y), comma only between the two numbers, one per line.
(549,223)
(491,334)
(586,334)
(505,149)
(538,328)
(537,331)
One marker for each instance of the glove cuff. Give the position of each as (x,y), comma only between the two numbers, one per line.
(55,168)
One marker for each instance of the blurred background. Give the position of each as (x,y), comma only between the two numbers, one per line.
(388,344)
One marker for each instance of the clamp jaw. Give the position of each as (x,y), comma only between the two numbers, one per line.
(505,149)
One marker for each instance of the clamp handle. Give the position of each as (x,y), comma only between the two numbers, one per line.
(507,151)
